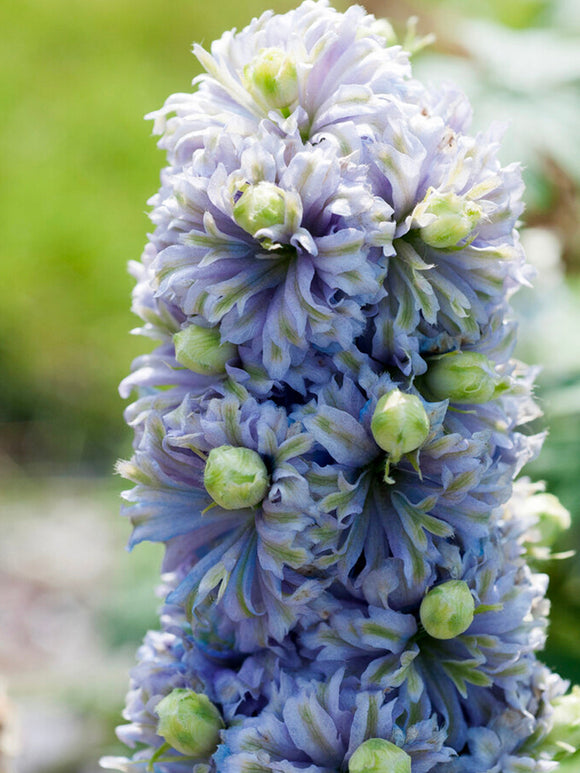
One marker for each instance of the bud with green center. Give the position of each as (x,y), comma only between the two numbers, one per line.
(447,610)
(271,78)
(400,423)
(447,218)
(463,377)
(379,756)
(199,349)
(189,722)
(235,477)
(260,206)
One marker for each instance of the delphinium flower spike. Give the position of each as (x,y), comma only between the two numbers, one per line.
(328,434)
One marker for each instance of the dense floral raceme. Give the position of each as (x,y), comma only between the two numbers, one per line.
(329,433)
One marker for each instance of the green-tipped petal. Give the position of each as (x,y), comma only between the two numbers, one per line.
(379,756)
(189,722)
(235,477)
(447,610)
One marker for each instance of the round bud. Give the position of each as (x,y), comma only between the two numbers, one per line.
(462,377)
(400,423)
(449,219)
(271,77)
(447,610)
(260,206)
(379,756)
(199,349)
(235,477)
(189,722)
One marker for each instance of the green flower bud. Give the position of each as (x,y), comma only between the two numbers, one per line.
(379,756)
(189,722)
(271,77)
(260,206)
(400,423)
(463,377)
(199,349)
(446,218)
(447,610)
(235,477)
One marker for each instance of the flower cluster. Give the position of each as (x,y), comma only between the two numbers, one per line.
(328,433)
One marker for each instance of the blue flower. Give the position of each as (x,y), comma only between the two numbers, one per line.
(466,680)
(343,74)
(375,167)
(448,488)
(257,565)
(510,741)
(315,724)
(172,658)
(329,430)
(293,280)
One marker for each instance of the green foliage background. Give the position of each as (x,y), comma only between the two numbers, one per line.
(78,165)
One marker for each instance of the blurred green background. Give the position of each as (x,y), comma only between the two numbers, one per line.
(77,165)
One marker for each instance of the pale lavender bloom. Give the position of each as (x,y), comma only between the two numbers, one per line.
(381,158)
(385,647)
(315,724)
(172,658)
(261,559)
(441,298)
(298,283)
(510,742)
(330,225)
(449,488)
(344,74)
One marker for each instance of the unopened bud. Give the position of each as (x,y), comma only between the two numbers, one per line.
(235,477)
(189,722)
(447,610)
(400,423)
(199,349)
(260,206)
(448,219)
(271,77)
(463,377)
(379,756)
